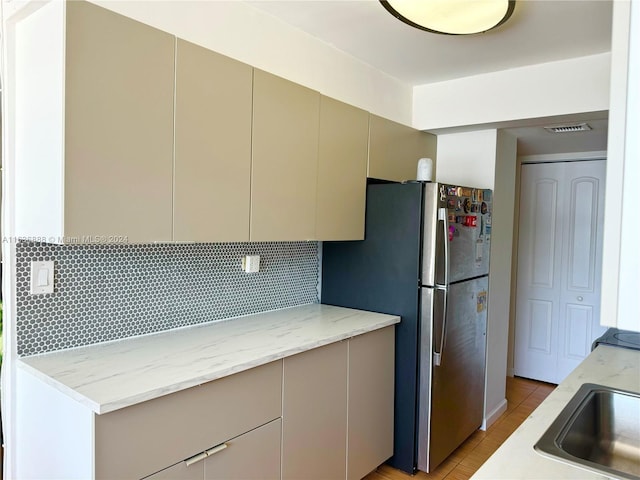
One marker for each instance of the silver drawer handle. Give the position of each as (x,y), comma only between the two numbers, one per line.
(580,298)
(207,453)
(195,459)
(214,450)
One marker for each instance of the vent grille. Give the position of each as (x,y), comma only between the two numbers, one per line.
(576,127)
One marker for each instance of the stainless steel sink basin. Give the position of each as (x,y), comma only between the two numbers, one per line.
(598,430)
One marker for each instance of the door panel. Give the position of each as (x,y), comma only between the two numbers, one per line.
(537,299)
(544,233)
(559,257)
(578,331)
(540,326)
(583,233)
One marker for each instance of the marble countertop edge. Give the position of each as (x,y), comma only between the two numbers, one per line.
(101,399)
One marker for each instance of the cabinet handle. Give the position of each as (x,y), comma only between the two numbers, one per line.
(214,450)
(201,456)
(195,459)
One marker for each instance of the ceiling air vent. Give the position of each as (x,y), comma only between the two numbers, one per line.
(576,127)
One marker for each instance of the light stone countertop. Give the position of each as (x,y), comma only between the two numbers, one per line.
(114,375)
(516,458)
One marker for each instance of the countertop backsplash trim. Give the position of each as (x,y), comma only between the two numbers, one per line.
(110,292)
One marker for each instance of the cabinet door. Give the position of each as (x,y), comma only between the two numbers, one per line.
(314,412)
(118,126)
(371,393)
(394,149)
(254,455)
(212,146)
(342,171)
(284,159)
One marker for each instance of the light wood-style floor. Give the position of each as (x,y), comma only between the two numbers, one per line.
(523,396)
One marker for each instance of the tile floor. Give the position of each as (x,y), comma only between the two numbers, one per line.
(523,396)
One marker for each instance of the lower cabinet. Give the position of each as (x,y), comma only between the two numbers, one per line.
(326,413)
(254,455)
(314,412)
(370,405)
(337,408)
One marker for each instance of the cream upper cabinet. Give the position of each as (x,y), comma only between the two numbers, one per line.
(342,171)
(94,126)
(394,150)
(285,159)
(212,146)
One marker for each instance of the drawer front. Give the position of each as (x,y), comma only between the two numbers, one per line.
(145,438)
(254,455)
(179,471)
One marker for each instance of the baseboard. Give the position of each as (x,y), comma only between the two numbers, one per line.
(511,372)
(494,415)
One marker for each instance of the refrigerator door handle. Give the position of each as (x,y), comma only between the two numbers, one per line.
(443,217)
(437,353)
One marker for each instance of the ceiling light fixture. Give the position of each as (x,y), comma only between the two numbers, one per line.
(451,17)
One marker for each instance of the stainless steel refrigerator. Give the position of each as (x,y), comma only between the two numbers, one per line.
(425,257)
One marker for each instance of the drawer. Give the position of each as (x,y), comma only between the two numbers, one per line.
(254,455)
(144,438)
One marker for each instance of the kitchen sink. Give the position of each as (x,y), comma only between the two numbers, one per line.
(598,430)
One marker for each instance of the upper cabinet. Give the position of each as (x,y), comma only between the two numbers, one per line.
(285,158)
(394,150)
(94,127)
(125,134)
(342,171)
(212,146)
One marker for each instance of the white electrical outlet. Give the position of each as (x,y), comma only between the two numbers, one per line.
(251,263)
(42,277)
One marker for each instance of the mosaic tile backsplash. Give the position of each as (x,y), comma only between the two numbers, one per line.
(110,292)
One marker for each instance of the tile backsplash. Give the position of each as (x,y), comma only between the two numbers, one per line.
(110,292)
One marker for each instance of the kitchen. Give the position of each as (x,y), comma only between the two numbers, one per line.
(384,106)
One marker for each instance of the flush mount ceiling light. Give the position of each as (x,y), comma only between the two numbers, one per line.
(451,17)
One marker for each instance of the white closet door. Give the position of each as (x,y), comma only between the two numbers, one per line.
(559,256)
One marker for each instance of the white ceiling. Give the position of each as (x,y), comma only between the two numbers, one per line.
(539,31)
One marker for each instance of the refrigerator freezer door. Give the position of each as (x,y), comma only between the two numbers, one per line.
(457,385)
(469,218)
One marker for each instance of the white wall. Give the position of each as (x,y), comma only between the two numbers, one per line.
(245,33)
(467,158)
(487,159)
(557,88)
(621,260)
(500,275)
